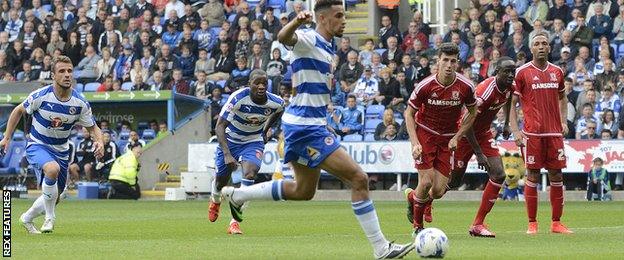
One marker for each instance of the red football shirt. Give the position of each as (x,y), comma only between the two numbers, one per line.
(489,101)
(539,96)
(440,107)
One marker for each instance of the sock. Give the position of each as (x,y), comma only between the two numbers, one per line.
(50,194)
(215,195)
(261,191)
(367,216)
(233,221)
(490,194)
(556,200)
(419,209)
(247,182)
(37,209)
(530,197)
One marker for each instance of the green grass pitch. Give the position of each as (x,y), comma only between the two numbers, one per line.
(306,230)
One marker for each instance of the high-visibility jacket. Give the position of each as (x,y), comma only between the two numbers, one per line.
(125,169)
(388,4)
(414,2)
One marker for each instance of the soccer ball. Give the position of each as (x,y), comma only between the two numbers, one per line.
(431,242)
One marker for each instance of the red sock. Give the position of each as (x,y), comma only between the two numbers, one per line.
(530,196)
(556,200)
(419,209)
(490,194)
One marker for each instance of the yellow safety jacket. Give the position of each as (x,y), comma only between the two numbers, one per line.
(125,169)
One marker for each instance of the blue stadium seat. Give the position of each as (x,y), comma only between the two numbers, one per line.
(397,115)
(77,73)
(380,51)
(79,87)
(352,138)
(91,87)
(369,137)
(288,76)
(277,12)
(398,121)
(231,18)
(215,31)
(221,83)
(127,86)
(142,125)
(351,2)
(375,111)
(48,8)
(253,4)
(10,162)
(124,135)
(620,50)
(277,4)
(121,145)
(148,135)
(371,125)
(226,96)
(18,136)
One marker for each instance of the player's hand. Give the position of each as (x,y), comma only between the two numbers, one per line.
(416,151)
(564,127)
(483,162)
(99,150)
(331,130)
(506,133)
(4,145)
(519,137)
(304,17)
(230,162)
(452,145)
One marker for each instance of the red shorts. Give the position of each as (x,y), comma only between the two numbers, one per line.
(435,153)
(464,151)
(544,152)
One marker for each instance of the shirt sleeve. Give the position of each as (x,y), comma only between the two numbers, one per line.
(86,116)
(518,84)
(415,100)
(32,103)
(470,99)
(228,108)
(560,79)
(305,41)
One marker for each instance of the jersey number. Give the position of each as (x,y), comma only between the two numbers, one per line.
(561,156)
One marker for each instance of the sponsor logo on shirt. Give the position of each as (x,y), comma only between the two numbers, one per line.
(544,85)
(437,102)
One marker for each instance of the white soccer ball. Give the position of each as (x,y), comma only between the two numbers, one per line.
(431,242)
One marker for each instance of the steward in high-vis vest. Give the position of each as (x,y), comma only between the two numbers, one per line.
(123,176)
(390,8)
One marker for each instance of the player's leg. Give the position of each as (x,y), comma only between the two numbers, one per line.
(250,169)
(490,195)
(533,158)
(221,179)
(341,165)
(555,161)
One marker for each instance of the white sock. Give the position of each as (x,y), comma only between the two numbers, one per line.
(215,195)
(37,209)
(50,194)
(367,216)
(270,190)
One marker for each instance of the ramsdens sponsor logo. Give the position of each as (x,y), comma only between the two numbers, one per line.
(437,102)
(544,85)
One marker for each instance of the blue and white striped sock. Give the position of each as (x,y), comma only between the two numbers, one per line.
(247,182)
(261,191)
(367,216)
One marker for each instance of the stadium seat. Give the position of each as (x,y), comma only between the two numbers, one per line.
(142,125)
(91,87)
(148,135)
(18,136)
(225,96)
(10,162)
(620,50)
(351,3)
(77,73)
(398,121)
(221,83)
(380,51)
(127,86)
(397,115)
(124,135)
(48,8)
(215,31)
(369,137)
(371,125)
(288,76)
(121,145)
(375,111)
(231,18)
(277,4)
(352,138)
(79,87)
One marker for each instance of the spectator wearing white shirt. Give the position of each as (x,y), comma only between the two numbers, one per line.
(608,101)
(13,25)
(366,88)
(585,119)
(176,5)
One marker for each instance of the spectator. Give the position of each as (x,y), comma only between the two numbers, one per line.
(171,61)
(204,37)
(583,35)
(13,25)
(106,36)
(85,150)
(560,11)
(479,64)
(187,62)
(366,52)
(46,70)
(28,74)
(597,181)
(87,67)
(201,87)
(609,100)
(212,12)
(585,119)
(224,63)
(276,68)
(134,141)
(104,66)
(178,84)
(123,175)
(107,84)
(590,132)
(464,49)
(389,92)
(376,64)
(618,27)
(148,61)
(582,79)
(259,58)
(138,71)
(351,118)
(140,85)
(605,134)
(350,72)
(139,8)
(387,30)
(389,134)
(271,23)
(393,52)
(388,120)
(333,118)
(123,65)
(600,24)
(538,10)
(103,165)
(165,74)
(171,37)
(239,77)
(366,88)
(608,122)
(203,64)
(518,46)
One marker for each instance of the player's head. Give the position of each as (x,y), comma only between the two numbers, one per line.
(62,71)
(258,83)
(505,71)
(540,48)
(448,59)
(330,15)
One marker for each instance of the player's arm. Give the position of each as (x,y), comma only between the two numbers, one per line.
(513,122)
(229,160)
(410,124)
(506,109)
(474,144)
(287,34)
(467,124)
(272,120)
(14,119)
(96,135)
(563,108)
